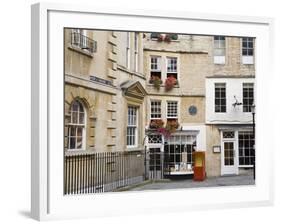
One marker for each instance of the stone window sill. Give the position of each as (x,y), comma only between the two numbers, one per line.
(81,51)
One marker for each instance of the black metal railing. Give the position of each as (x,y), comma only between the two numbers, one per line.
(102,172)
(83,42)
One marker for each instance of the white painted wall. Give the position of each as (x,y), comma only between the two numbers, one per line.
(233,115)
(201,136)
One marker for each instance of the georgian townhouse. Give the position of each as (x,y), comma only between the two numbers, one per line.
(230,94)
(104,88)
(175,67)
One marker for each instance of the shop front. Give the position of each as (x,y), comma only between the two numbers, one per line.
(171,156)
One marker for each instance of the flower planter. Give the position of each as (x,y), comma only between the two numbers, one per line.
(172,125)
(170,83)
(156,81)
(156,123)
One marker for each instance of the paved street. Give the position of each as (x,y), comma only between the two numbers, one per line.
(245,179)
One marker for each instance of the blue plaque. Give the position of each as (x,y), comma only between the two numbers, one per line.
(192,110)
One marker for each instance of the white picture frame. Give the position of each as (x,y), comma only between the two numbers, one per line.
(47,201)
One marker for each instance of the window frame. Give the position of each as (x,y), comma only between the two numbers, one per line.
(219,59)
(155,101)
(248,98)
(173,72)
(170,58)
(247,59)
(247,48)
(71,125)
(158,63)
(220,98)
(167,109)
(128,50)
(249,148)
(134,126)
(136,43)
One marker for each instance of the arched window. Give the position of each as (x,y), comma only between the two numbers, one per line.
(76,127)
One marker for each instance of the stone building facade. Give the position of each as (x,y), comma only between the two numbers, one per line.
(103,77)
(124,90)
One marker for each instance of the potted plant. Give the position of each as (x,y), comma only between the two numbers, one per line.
(156,123)
(164,131)
(168,38)
(156,81)
(161,37)
(172,125)
(170,82)
(174,36)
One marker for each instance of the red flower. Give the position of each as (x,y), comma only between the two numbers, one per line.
(156,123)
(170,82)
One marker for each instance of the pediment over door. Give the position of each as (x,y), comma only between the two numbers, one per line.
(133,89)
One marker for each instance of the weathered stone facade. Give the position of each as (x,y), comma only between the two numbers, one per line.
(102,98)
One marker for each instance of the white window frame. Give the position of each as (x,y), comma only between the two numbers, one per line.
(253,87)
(225,86)
(167,64)
(167,110)
(219,59)
(135,126)
(76,125)
(247,59)
(156,101)
(243,166)
(171,72)
(158,63)
(128,50)
(136,42)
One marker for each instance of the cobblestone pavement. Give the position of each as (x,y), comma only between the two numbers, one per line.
(245,179)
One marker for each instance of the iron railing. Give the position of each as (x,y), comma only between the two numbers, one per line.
(83,42)
(102,172)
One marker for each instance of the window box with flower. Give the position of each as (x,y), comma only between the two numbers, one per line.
(172,125)
(170,82)
(156,123)
(156,81)
(164,37)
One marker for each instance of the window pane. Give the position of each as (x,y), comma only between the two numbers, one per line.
(246,142)
(250,44)
(79,143)
(72,131)
(79,131)
(71,142)
(75,106)
(250,52)
(74,117)
(132,125)
(81,118)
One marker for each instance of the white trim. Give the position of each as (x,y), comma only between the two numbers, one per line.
(227,169)
(247,60)
(84,125)
(220,59)
(128,50)
(136,134)
(172,101)
(161,111)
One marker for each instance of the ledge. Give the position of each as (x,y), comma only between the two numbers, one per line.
(87,83)
(120,67)
(176,51)
(231,76)
(79,50)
